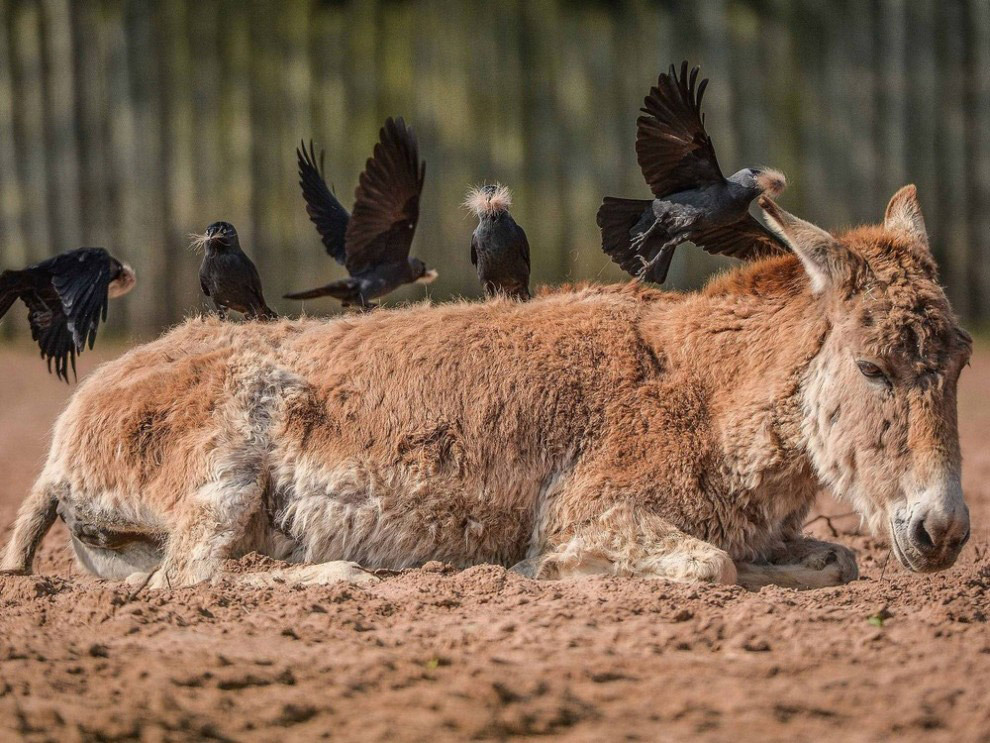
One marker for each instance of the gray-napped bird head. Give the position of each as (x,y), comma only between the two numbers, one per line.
(218,236)
(764,180)
(122,281)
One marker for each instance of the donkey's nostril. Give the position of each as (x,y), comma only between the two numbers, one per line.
(920,536)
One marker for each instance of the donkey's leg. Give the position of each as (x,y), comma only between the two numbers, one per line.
(34,518)
(629,541)
(802,562)
(213,526)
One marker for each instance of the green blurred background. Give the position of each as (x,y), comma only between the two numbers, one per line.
(132,124)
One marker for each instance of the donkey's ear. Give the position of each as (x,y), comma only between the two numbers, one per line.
(904,215)
(820,253)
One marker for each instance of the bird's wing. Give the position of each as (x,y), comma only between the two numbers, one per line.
(49,325)
(80,279)
(474,250)
(50,330)
(523,244)
(746,239)
(386,205)
(323,208)
(11,287)
(674,151)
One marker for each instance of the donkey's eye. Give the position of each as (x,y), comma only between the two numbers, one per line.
(872,371)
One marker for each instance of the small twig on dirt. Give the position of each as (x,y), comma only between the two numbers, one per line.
(144,584)
(827,518)
(884,568)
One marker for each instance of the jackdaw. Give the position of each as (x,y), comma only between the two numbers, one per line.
(373,242)
(227,276)
(694,201)
(67,297)
(499,249)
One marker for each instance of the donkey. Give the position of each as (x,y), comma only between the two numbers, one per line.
(599,430)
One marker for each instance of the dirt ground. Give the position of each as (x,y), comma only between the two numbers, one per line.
(436,654)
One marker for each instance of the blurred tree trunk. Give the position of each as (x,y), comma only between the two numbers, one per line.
(13,251)
(233,117)
(951,154)
(126,191)
(539,28)
(261,240)
(148,246)
(63,163)
(180,207)
(893,91)
(978,155)
(29,120)
(922,165)
(89,45)
(861,148)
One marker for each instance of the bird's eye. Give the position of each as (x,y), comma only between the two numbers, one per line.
(872,371)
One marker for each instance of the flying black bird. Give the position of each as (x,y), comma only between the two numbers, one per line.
(66,297)
(499,249)
(694,201)
(228,276)
(373,242)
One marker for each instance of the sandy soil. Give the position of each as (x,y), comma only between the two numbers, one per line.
(436,654)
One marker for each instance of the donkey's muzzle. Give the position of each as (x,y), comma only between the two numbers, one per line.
(932,539)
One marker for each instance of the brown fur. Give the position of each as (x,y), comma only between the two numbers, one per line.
(618,430)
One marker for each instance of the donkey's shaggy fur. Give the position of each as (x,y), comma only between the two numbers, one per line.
(616,430)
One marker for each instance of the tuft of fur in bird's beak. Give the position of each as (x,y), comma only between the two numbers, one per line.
(771,182)
(489,199)
(198,241)
(428,278)
(123,283)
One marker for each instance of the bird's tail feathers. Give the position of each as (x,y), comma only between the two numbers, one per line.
(617,218)
(488,199)
(346,290)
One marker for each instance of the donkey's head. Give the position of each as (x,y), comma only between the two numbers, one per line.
(879,400)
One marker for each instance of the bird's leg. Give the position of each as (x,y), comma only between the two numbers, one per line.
(639,238)
(365,305)
(662,257)
(220,310)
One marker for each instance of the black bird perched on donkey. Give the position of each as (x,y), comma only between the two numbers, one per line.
(67,297)
(373,242)
(227,276)
(499,248)
(693,200)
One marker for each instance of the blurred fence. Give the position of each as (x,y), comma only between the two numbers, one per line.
(130,124)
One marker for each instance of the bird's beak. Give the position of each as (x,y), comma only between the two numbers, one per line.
(123,283)
(427,278)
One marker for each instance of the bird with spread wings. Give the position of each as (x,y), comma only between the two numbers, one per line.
(67,298)
(692,201)
(373,242)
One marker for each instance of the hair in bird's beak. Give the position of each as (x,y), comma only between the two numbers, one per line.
(771,182)
(123,283)
(488,199)
(428,278)
(198,241)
